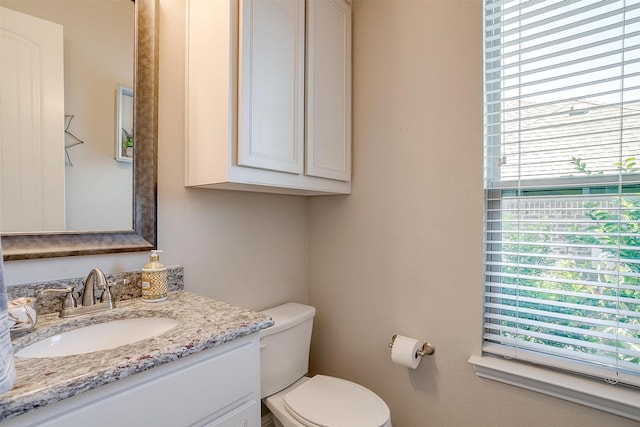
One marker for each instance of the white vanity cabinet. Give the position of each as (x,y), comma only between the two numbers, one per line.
(217,387)
(268,96)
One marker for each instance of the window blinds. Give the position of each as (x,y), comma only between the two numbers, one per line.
(562,184)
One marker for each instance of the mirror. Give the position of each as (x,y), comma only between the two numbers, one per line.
(67,67)
(142,236)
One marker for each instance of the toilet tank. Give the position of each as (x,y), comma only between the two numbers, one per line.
(284,347)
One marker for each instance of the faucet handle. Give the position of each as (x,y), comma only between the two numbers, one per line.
(69,301)
(106,293)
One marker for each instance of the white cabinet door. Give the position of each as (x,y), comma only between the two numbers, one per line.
(328,132)
(271,112)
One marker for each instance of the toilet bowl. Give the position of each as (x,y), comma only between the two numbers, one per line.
(299,401)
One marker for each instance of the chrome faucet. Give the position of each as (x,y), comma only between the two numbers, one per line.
(95,281)
(95,284)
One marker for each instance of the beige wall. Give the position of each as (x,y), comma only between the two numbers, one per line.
(403,253)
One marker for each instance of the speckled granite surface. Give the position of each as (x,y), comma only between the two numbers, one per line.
(202,323)
(125,286)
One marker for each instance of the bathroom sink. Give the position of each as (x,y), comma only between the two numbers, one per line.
(102,336)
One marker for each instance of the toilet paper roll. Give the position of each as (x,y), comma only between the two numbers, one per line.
(405,352)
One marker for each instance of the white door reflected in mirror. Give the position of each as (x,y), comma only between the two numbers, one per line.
(32,123)
(83,187)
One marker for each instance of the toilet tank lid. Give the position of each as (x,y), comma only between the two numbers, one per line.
(286,316)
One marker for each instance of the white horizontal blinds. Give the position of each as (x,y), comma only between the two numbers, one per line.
(566,66)
(562,156)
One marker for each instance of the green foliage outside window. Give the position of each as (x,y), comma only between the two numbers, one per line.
(568,285)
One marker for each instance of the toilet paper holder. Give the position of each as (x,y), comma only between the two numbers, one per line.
(427,348)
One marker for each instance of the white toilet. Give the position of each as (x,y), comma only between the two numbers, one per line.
(299,401)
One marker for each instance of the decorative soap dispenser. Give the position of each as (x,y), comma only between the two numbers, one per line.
(154,279)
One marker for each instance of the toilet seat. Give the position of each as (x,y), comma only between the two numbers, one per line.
(324,401)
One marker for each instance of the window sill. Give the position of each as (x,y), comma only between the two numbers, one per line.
(619,400)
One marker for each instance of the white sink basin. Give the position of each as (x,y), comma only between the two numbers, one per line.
(102,336)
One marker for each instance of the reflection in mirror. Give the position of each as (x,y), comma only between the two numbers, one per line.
(95,240)
(124,124)
(62,63)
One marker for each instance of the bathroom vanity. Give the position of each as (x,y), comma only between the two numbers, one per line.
(205,371)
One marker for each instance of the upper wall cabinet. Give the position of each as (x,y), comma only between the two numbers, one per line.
(269,95)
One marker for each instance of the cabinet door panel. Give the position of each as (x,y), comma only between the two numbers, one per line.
(271,113)
(328,133)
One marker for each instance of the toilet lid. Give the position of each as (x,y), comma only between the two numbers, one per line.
(334,402)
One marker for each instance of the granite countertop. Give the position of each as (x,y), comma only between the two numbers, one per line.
(202,323)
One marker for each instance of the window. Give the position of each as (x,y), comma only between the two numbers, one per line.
(562,185)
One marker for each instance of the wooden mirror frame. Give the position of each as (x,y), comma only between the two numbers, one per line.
(19,246)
